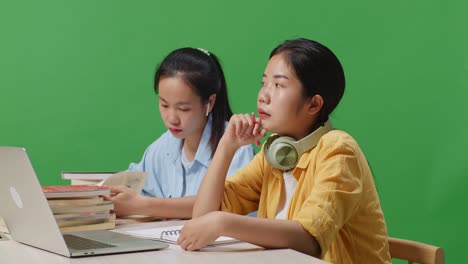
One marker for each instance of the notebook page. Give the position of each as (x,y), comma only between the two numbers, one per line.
(171,234)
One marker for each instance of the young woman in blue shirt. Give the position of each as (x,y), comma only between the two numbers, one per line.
(194,106)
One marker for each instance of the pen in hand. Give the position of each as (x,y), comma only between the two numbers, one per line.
(255,122)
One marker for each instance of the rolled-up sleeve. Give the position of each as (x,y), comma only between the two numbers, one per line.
(242,190)
(335,193)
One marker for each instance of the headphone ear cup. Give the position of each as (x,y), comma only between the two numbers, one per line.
(267,145)
(284,152)
(281,153)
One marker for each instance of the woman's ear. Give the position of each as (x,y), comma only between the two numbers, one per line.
(211,103)
(315,104)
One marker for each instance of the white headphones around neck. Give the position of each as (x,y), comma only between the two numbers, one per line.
(284,152)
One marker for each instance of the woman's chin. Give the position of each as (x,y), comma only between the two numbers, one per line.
(267,126)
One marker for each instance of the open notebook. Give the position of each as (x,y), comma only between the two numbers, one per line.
(171,234)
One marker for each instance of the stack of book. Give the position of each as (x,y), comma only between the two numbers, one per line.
(80,207)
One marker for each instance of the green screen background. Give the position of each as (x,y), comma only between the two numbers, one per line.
(76,87)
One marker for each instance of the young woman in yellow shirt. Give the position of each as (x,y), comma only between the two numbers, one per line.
(311,185)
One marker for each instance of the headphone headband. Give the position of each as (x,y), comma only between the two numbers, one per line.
(313,138)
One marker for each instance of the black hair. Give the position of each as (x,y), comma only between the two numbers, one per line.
(318,70)
(202,71)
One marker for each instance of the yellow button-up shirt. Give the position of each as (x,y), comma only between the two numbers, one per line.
(335,199)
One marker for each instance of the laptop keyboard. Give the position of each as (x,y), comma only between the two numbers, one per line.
(81,243)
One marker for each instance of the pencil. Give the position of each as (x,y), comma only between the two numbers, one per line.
(254,121)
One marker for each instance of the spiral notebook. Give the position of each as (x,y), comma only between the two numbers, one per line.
(171,234)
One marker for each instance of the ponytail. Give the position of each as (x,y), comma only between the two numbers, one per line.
(221,110)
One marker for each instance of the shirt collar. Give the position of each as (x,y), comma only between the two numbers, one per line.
(304,161)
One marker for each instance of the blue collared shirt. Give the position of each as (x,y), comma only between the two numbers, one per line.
(166,175)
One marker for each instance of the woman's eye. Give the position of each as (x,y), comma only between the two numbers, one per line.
(277,85)
(164,106)
(184,109)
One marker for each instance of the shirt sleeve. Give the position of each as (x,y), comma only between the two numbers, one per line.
(242,190)
(242,157)
(149,185)
(336,192)
(141,165)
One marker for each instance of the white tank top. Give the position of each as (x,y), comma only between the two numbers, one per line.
(287,192)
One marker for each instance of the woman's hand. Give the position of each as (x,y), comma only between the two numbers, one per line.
(126,201)
(243,129)
(201,231)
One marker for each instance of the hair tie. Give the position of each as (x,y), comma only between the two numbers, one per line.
(204,51)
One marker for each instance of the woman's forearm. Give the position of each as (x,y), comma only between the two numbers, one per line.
(211,190)
(167,207)
(270,233)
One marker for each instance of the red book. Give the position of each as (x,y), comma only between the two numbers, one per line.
(68,191)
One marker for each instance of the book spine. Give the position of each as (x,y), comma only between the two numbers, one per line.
(101,226)
(82,209)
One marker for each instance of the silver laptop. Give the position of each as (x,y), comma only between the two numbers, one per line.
(30,221)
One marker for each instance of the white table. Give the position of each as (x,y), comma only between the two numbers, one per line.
(14,252)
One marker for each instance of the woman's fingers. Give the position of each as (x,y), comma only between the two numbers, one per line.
(114,190)
(247,127)
(244,125)
(183,243)
(118,189)
(191,247)
(187,244)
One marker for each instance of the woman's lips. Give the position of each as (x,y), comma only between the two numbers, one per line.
(263,115)
(175,131)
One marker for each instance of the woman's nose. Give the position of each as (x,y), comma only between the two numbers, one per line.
(172,117)
(263,96)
